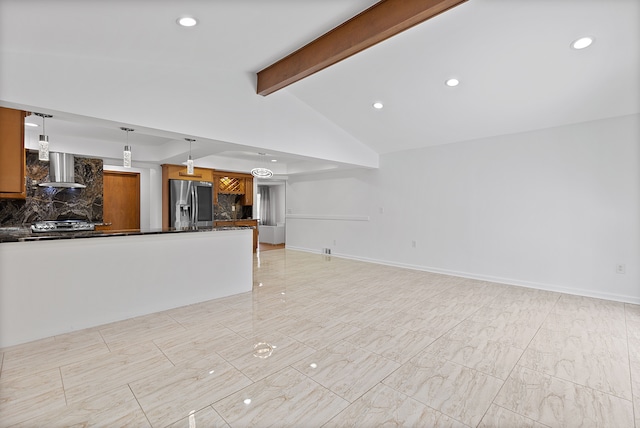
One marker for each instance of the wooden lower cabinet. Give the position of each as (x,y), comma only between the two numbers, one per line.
(239,223)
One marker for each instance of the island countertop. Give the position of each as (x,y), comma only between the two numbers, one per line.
(24,234)
(60,284)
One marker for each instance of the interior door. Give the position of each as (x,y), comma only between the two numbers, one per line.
(121,193)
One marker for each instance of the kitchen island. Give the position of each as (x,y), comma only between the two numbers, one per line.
(52,284)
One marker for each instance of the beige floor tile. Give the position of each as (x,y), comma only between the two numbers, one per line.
(105,372)
(141,329)
(285,399)
(589,314)
(432,323)
(632,312)
(499,417)
(560,403)
(519,323)
(205,418)
(592,359)
(113,408)
(30,396)
(48,354)
(174,393)
(321,335)
(383,406)
(195,344)
(457,391)
(346,369)
(266,355)
(478,347)
(635,374)
(396,344)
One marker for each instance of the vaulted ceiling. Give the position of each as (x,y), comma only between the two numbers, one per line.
(98,65)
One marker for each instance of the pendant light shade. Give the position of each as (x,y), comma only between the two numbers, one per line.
(190,159)
(262,172)
(43,140)
(126,154)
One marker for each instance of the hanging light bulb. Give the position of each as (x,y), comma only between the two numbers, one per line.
(43,141)
(190,160)
(126,154)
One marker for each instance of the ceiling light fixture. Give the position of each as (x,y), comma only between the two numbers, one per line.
(126,154)
(452,82)
(187,21)
(261,172)
(43,141)
(582,42)
(378,105)
(190,159)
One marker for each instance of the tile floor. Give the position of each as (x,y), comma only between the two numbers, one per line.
(323,341)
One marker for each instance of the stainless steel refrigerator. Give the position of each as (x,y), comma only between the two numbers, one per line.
(191,203)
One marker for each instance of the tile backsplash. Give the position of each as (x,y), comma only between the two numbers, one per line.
(54,203)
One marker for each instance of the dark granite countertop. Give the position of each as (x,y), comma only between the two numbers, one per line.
(21,234)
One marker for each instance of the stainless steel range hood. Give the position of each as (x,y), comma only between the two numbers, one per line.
(61,171)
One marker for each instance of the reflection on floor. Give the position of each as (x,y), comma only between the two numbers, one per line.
(327,341)
(263,246)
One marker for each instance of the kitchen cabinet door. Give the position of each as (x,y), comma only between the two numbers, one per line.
(12,155)
(248,192)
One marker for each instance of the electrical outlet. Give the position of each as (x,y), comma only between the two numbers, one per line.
(334,242)
(621,268)
(413,244)
(381,210)
(289,211)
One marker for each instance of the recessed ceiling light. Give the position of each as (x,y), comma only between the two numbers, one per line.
(274,160)
(452,82)
(34,125)
(378,105)
(582,42)
(187,21)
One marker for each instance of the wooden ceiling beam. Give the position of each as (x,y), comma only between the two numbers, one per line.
(381,21)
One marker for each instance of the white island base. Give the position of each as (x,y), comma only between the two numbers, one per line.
(52,287)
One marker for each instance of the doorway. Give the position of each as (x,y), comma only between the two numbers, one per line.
(270,209)
(121,193)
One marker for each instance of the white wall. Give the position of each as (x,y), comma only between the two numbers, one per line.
(554,209)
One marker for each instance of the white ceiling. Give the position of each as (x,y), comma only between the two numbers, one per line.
(98,65)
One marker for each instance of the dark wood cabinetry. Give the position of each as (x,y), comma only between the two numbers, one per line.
(12,154)
(231,183)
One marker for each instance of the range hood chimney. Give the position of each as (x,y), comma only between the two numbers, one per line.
(61,171)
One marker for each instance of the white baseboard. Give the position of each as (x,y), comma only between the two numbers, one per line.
(500,280)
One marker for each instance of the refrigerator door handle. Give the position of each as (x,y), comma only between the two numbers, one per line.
(194,192)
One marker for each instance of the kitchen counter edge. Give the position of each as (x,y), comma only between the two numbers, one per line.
(25,235)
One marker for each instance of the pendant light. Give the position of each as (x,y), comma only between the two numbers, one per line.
(43,141)
(190,160)
(262,172)
(126,154)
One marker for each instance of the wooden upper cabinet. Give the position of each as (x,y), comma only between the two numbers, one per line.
(248,191)
(233,183)
(179,172)
(12,154)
